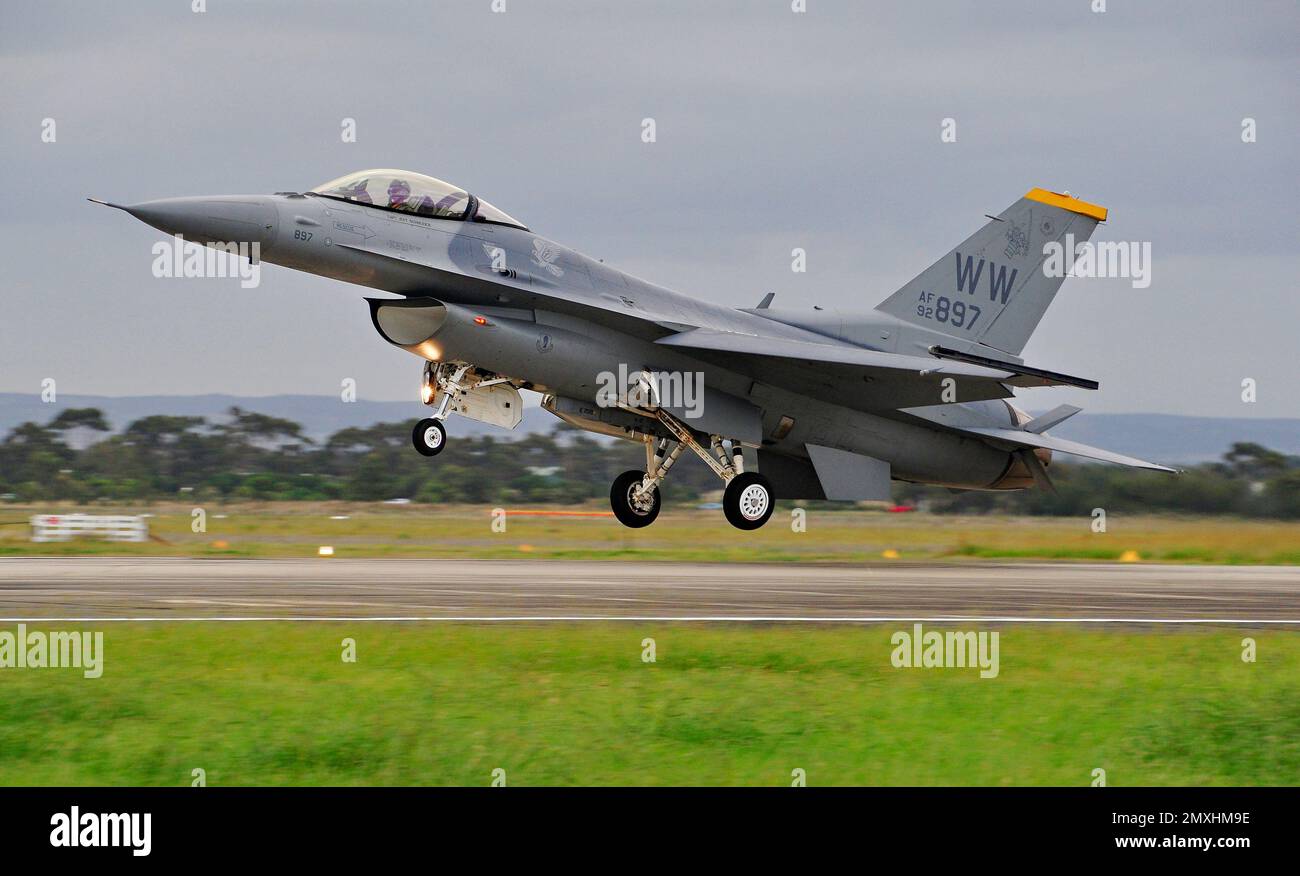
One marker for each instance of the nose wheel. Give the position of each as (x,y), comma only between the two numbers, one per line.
(429,437)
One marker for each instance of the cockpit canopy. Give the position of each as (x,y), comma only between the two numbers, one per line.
(407,192)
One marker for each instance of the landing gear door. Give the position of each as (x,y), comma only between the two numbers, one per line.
(499,404)
(718,413)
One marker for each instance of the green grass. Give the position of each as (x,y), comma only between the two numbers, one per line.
(272,703)
(680,534)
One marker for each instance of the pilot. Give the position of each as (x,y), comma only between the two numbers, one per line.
(399,193)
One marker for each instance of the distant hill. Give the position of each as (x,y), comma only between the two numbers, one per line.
(1159,437)
(320,415)
(1177,439)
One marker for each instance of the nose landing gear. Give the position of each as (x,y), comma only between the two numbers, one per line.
(438,386)
(465,389)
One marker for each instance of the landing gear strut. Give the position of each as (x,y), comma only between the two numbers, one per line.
(747,502)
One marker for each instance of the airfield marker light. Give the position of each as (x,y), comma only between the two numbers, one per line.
(890,554)
(325,551)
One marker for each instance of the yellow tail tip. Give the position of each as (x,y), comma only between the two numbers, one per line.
(1068,202)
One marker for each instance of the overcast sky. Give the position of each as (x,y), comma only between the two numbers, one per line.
(775,130)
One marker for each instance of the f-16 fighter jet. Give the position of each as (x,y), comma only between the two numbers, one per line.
(790,403)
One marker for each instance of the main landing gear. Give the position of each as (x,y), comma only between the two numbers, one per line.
(747,501)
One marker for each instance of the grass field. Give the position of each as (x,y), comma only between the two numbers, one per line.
(678,534)
(273,703)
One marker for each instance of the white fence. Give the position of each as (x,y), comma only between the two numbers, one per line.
(61,527)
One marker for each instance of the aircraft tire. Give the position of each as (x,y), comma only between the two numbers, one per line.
(429,437)
(620,499)
(748,500)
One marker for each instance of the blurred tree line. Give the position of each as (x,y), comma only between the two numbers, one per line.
(259,457)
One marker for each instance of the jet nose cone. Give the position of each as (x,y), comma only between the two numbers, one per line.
(220,219)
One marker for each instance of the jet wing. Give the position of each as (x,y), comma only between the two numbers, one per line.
(786,348)
(842,373)
(845,354)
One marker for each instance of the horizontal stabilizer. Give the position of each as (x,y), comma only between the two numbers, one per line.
(1020,438)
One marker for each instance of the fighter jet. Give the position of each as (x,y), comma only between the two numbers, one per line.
(780,402)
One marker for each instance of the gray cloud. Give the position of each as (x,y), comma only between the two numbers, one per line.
(775,130)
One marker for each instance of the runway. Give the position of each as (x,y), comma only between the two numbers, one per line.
(311,588)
